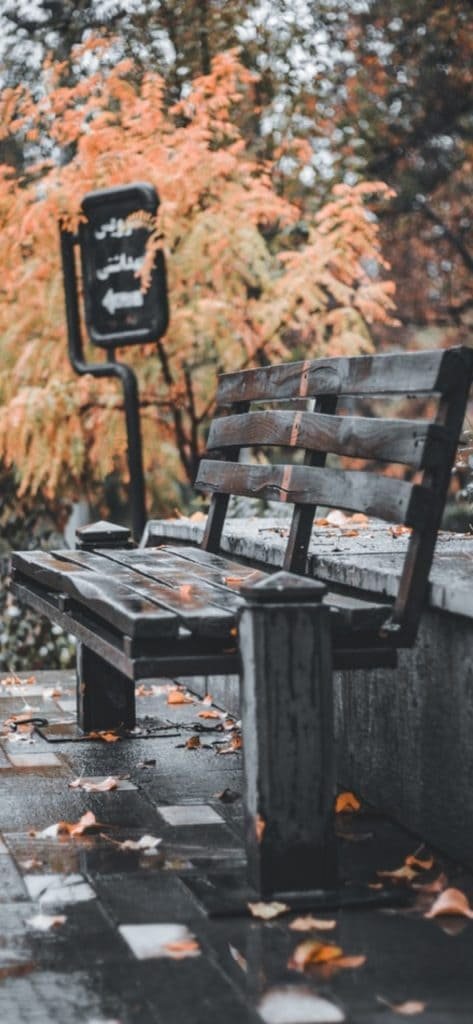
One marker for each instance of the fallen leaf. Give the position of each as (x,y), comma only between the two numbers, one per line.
(235,743)
(106,736)
(266,911)
(399,531)
(45,922)
(95,787)
(193,743)
(50,692)
(210,714)
(227,796)
(321,522)
(143,691)
(350,533)
(407,1009)
(422,865)
(208,699)
(178,697)
(185,591)
(238,958)
(346,802)
(182,948)
(404,873)
(260,826)
(311,951)
(450,902)
(308,923)
(66,828)
(144,843)
(360,518)
(351,962)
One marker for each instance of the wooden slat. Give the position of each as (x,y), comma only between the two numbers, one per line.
(398,373)
(415,442)
(379,496)
(197,606)
(111,599)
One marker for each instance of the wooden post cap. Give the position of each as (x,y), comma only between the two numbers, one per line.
(103,534)
(284,587)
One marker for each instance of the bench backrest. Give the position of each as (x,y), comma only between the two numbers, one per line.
(313,389)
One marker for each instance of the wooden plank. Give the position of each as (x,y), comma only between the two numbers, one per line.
(355,614)
(380,496)
(108,598)
(415,442)
(390,374)
(193,602)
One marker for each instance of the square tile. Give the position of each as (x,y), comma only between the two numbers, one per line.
(148,941)
(96,780)
(190,814)
(58,890)
(43,759)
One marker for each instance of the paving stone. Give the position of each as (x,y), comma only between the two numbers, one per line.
(97,780)
(11,882)
(58,890)
(42,759)
(190,814)
(141,898)
(151,941)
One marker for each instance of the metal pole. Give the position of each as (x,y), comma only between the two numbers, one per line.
(109,369)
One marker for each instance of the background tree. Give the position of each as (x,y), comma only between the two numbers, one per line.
(254,276)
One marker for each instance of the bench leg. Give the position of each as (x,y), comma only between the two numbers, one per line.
(288,746)
(105,697)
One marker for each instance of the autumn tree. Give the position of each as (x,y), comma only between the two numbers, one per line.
(252,277)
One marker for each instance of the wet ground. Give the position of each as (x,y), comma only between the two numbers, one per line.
(96,932)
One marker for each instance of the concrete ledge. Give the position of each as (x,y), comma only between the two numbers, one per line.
(403,735)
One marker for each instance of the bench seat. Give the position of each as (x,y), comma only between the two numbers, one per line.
(169,609)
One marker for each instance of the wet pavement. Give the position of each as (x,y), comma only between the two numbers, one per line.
(130,939)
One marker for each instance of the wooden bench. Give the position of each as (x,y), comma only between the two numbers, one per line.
(188,610)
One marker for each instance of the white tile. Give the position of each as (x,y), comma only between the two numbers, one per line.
(42,759)
(292,1004)
(95,780)
(148,941)
(67,704)
(58,890)
(190,814)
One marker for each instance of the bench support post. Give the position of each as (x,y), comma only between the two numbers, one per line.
(288,744)
(105,697)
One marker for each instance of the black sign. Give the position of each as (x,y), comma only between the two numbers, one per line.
(118,311)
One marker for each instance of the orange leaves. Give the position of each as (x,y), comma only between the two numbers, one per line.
(410,1008)
(450,902)
(87,823)
(310,923)
(267,911)
(178,696)
(312,953)
(95,787)
(346,803)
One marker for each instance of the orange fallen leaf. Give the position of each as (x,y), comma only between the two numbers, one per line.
(407,1009)
(185,591)
(450,902)
(360,518)
(404,873)
(308,923)
(104,735)
(178,697)
(50,692)
(350,533)
(346,802)
(349,961)
(210,714)
(234,581)
(87,822)
(266,911)
(182,948)
(313,952)
(208,699)
(399,531)
(193,743)
(260,826)
(235,743)
(422,865)
(321,522)
(143,691)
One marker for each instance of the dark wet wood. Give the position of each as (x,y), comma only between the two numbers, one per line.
(358,491)
(400,373)
(415,442)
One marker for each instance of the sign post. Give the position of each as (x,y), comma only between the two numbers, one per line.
(118,311)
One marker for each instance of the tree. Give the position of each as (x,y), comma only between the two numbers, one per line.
(252,278)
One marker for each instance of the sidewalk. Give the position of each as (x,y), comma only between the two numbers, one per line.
(136,945)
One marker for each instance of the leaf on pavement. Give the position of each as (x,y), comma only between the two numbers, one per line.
(95,787)
(46,922)
(266,911)
(407,1009)
(309,923)
(450,902)
(178,697)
